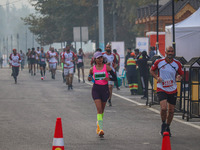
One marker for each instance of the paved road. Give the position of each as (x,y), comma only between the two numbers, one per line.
(28,112)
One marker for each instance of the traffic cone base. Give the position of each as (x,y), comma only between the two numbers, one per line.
(58,141)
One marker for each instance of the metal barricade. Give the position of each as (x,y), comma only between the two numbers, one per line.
(192,96)
(151,92)
(179,101)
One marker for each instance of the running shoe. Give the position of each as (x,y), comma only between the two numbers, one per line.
(168,130)
(98,128)
(109,102)
(101,133)
(83,81)
(163,128)
(71,86)
(34,74)
(79,80)
(15,80)
(42,78)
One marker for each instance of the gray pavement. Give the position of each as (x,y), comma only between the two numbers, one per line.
(28,112)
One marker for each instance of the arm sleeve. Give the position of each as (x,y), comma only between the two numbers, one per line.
(114,77)
(155,66)
(180,70)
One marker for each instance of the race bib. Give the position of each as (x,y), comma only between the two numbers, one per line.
(33,56)
(15,60)
(42,59)
(99,75)
(80,60)
(167,83)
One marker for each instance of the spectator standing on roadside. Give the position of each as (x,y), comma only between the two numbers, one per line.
(151,53)
(127,57)
(143,68)
(117,68)
(132,74)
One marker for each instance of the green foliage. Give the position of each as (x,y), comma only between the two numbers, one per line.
(55,19)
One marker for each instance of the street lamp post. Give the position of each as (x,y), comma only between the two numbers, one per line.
(11,42)
(101,24)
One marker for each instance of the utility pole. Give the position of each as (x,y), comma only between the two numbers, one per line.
(18,41)
(11,42)
(114,26)
(81,36)
(33,40)
(7,48)
(173,28)
(157,28)
(101,24)
(26,41)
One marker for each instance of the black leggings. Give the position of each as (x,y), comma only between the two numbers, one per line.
(15,72)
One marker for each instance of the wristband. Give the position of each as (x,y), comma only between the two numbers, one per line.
(90,76)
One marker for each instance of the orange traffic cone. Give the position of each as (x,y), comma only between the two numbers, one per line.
(58,141)
(166,141)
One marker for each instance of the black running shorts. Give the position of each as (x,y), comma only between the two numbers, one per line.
(100,92)
(171,98)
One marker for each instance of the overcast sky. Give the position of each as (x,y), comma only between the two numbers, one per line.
(16,3)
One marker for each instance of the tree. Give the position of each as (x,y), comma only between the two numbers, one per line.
(55,19)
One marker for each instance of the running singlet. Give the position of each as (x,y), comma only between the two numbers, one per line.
(52,57)
(15,59)
(110,59)
(38,53)
(68,57)
(80,58)
(99,75)
(167,72)
(42,58)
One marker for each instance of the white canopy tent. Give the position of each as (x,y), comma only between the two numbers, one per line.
(187,36)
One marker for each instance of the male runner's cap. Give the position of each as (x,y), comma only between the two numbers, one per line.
(97,54)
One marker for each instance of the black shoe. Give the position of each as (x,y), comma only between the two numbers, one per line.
(118,88)
(79,80)
(168,130)
(83,81)
(15,80)
(34,74)
(163,128)
(109,102)
(71,87)
(144,97)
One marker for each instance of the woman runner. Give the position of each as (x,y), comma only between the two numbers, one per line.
(100,90)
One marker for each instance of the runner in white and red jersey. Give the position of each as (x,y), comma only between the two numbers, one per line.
(15,62)
(110,59)
(53,60)
(68,59)
(169,71)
